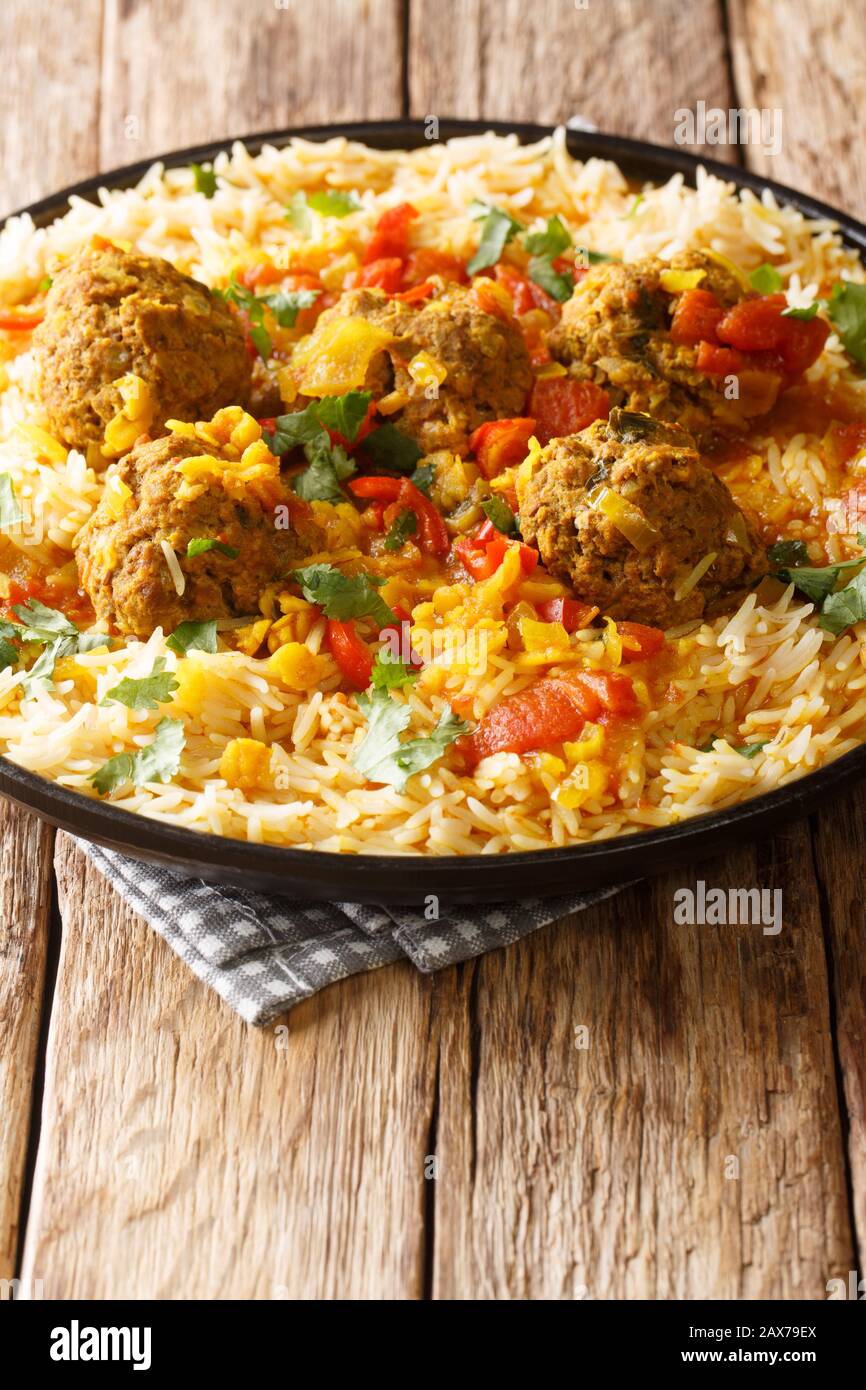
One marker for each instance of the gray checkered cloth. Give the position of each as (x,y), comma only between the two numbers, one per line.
(263,955)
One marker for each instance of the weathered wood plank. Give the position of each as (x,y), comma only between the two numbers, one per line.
(186,1155)
(174,75)
(625,65)
(25,898)
(809,62)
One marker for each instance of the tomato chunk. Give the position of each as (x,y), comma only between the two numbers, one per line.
(424,262)
(847,441)
(640,641)
(433,536)
(561,405)
(573,614)
(696,317)
(385,273)
(548,711)
(525,294)
(499,443)
(759,325)
(353,656)
(719,361)
(391,237)
(21,323)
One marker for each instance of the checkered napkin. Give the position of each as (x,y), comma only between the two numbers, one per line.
(263,954)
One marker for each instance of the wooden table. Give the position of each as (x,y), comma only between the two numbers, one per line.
(710,1140)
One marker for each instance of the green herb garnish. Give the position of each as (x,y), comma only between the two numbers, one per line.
(847,312)
(191,636)
(390,450)
(145,693)
(766,279)
(389,673)
(343,596)
(403,526)
(334,203)
(11,514)
(202,544)
(497,229)
(205,180)
(158,762)
(382,757)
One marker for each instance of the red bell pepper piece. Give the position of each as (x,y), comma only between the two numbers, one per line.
(572,614)
(562,405)
(417,294)
(649,640)
(425,261)
(432,534)
(386,274)
(21,323)
(500,443)
(391,237)
(353,656)
(759,325)
(525,294)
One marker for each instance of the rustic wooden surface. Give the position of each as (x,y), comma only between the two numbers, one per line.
(452,1137)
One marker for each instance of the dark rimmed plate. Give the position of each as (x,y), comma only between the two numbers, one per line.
(474,878)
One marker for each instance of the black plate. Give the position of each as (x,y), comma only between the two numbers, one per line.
(474,878)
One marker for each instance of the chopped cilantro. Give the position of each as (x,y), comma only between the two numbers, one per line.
(329,464)
(328,467)
(11,514)
(145,693)
(423,477)
(817,582)
(847,312)
(205,180)
(43,624)
(343,596)
(805,315)
(559,284)
(191,636)
(334,203)
(787,553)
(344,414)
(390,674)
(403,526)
(766,279)
(497,229)
(382,757)
(9,653)
(551,242)
(158,762)
(390,450)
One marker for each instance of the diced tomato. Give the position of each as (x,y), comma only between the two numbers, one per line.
(719,361)
(759,325)
(848,441)
(696,317)
(569,611)
(500,443)
(562,405)
(481,558)
(425,261)
(386,274)
(21,323)
(353,656)
(261,273)
(525,294)
(548,711)
(640,641)
(391,237)
(433,537)
(268,423)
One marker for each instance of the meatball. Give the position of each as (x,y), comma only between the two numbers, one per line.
(615,330)
(626,511)
(111,313)
(487,368)
(122,560)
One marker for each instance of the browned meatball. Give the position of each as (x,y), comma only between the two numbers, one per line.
(488,373)
(626,511)
(110,313)
(615,330)
(122,560)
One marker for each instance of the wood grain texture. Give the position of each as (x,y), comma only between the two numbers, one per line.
(186,1155)
(25,896)
(625,65)
(234,68)
(809,61)
(690,1149)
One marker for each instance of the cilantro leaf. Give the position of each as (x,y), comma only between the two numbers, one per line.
(285,305)
(390,674)
(497,229)
(817,582)
(191,636)
(559,284)
(11,514)
(158,762)
(145,693)
(382,757)
(403,526)
(586,257)
(43,624)
(205,180)
(9,654)
(497,510)
(847,312)
(423,477)
(329,466)
(805,315)
(551,242)
(391,450)
(847,606)
(766,279)
(334,203)
(788,553)
(344,414)
(299,428)
(200,545)
(343,596)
